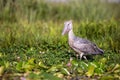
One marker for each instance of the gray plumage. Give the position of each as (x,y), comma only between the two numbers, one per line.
(81,46)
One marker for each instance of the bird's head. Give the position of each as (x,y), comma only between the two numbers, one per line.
(67,27)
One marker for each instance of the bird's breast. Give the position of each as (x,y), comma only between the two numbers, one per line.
(71,42)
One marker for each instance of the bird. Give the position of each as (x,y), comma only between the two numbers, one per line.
(81,46)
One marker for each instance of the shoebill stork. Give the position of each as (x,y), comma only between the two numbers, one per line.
(81,46)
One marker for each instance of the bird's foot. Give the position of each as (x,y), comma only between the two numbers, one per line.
(81,55)
(85,58)
(77,56)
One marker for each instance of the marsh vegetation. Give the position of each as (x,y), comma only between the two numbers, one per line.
(32,47)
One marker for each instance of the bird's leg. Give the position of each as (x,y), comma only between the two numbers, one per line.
(71,59)
(77,56)
(85,58)
(81,56)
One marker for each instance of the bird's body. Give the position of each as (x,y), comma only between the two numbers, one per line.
(81,46)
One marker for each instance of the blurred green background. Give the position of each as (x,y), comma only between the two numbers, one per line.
(31,41)
(16,10)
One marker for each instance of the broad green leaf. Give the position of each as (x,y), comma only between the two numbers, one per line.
(117,66)
(33,76)
(91,69)
(1,55)
(1,70)
(7,64)
(19,66)
(59,74)
(55,68)
(31,61)
(80,70)
(94,64)
(117,76)
(74,63)
(52,69)
(103,60)
(48,76)
(117,71)
(59,65)
(109,68)
(83,65)
(42,65)
(99,70)
(27,67)
(108,77)
(65,71)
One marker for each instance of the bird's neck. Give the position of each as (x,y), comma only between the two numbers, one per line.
(71,35)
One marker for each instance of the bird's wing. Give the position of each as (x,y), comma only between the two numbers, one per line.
(87,48)
(81,40)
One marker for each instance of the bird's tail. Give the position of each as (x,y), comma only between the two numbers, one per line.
(100,51)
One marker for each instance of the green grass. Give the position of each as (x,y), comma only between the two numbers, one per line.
(40,10)
(32,47)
